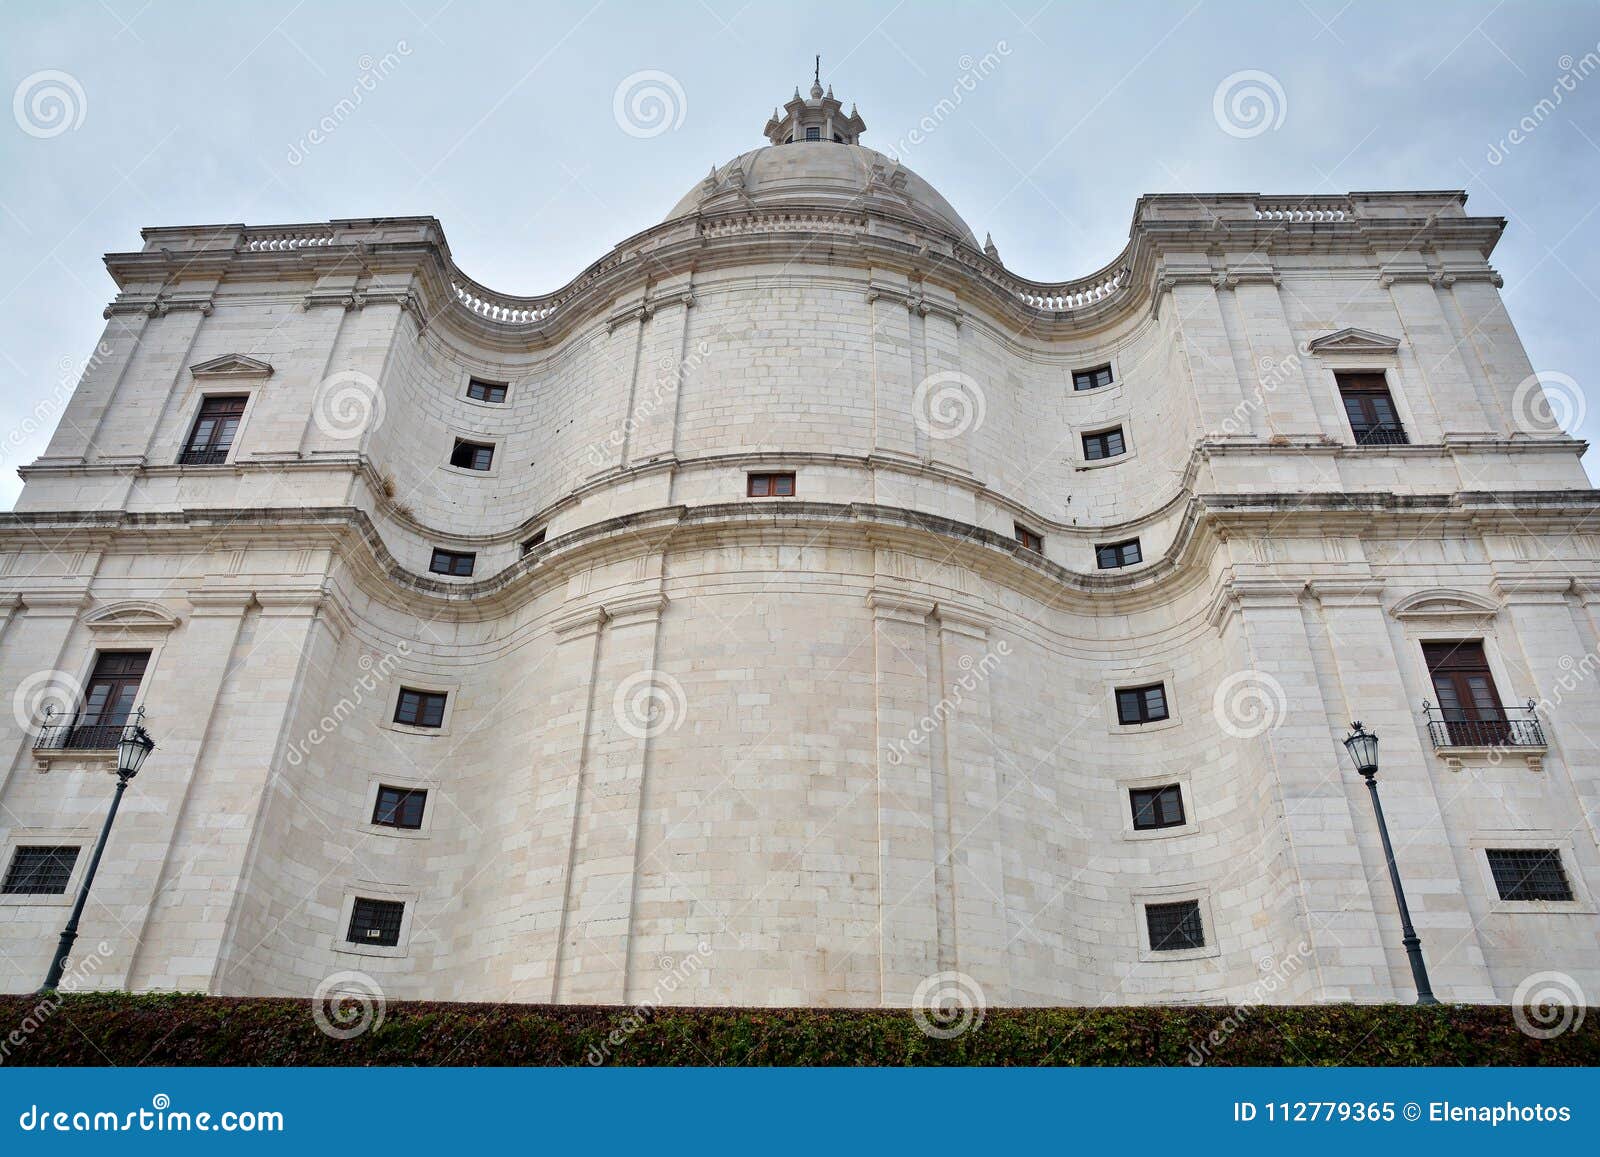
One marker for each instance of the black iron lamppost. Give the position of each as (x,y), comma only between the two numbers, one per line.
(132,748)
(1363,748)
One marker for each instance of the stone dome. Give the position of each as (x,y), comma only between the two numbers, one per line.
(815,159)
(826,173)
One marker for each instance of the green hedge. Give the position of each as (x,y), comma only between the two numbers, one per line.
(120,1029)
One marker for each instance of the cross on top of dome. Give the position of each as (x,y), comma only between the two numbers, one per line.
(819,119)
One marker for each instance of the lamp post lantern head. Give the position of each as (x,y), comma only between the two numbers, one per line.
(1363,748)
(132,749)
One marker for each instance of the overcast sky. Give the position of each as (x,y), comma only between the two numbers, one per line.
(504,121)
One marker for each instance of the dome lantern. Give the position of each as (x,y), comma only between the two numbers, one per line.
(819,118)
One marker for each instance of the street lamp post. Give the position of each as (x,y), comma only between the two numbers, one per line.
(132,748)
(1363,748)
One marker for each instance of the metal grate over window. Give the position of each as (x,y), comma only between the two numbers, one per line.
(1529,874)
(376,922)
(40,871)
(1174,927)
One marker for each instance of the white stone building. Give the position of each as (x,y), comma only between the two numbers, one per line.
(753,611)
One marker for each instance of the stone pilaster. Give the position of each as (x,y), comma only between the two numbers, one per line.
(908,908)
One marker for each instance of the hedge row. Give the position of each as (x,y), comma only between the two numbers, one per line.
(120,1029)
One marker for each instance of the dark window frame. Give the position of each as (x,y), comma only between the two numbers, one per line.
(1097,446)
(1029,539)
(1143,705)
(1530,875)
(1469,700)
(484,390)
(369,913)
(770,484)
(419,702)
(1115,555)
(466,453)
(35,869)
(456,563)
(405,807)
(1182,926)
(813,132)
(214,430)
(1369,408)
(1152,803)
(1093,378)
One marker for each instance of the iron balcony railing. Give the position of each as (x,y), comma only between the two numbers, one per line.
(1381,436)
(1509,727)
(75,731)
(203,457)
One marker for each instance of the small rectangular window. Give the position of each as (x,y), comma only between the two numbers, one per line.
(420,708)
(1370,408)
(1105,444)
(1028,539)
(211,437)
(535,542)
(1174,927)
(472,455)
(452,562)
(376,922)
(1157,807)
(1529,874)
(1141,704)
(771,486)
(399,807)
(1112,555)
(1091,379)
(813,133)
(481,391)
(40,871)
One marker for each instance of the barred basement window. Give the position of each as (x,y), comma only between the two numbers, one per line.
(399,807)
(534,543)
(472,455)
(1091,379)
(452,562)
(1157,807)
(1174,927)
(376,922)
(1028,539)
(1105,444)
(1529,874)
(770,486)
(481,391)
(420,708)
(40,871)
(1142,704)
(1112,555)
(211,437)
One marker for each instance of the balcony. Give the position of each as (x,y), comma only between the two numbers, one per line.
(203,457)
(1457,733)
(73,735)
(1381,436)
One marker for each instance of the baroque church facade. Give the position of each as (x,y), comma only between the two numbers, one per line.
(803,605)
